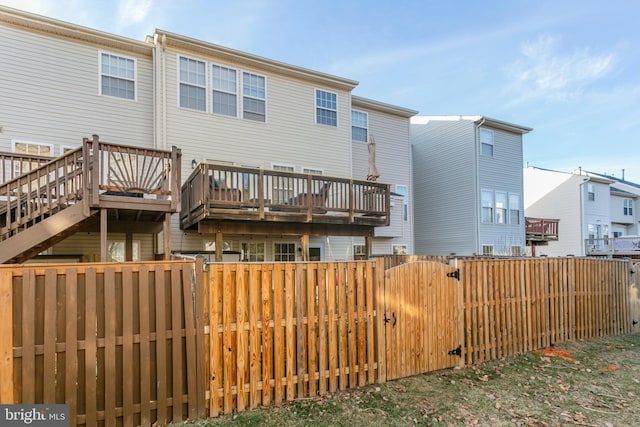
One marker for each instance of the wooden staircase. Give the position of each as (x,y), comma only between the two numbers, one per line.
(46,202)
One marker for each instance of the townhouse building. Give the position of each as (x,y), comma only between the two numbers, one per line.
(468,186)
(274,157)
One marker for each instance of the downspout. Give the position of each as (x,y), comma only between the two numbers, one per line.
(164,92)
(154,57)
(477,185)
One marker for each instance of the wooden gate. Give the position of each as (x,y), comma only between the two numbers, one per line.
(423,317)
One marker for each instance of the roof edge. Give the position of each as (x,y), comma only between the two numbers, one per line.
(357,101)
(206,48)
(32,21)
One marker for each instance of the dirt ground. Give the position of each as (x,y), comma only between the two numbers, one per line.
(583,383)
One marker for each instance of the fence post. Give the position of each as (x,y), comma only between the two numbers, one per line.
(380,323)
(6,332)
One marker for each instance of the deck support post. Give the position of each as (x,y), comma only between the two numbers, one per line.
(219,246)
(304,246)
(167,236)
(103,235)
(128,247)
(367,246)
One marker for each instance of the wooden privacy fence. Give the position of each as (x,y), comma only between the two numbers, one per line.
(284,331)
(119,343)
(138,343)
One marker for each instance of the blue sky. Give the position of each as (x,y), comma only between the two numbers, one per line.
(569,69)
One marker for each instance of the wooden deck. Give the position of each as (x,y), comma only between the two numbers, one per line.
(96,186)
(257,201)
(541,229)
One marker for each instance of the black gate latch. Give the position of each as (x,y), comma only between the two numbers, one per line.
(456,352)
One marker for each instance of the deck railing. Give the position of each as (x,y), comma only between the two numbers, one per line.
(274,194)
(629,246)
(83,174)
(13,165)
(541,228)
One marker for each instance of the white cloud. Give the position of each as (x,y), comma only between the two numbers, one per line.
(546,73)
(132,12)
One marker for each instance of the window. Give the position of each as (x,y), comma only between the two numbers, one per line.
(192,84)
(31,148)
(591,194)
(284,252)
(501,207)
(514,209)
(516,250)
(311,171)
(116,251)
(117,76)
(253,97)
(315,254)
(487,250)
(253,251)
(359,252)
(487,206)
(628,207)
(399,249)
(486,142)
(359,127)
(404,191)
(617,234)
(224,93)
(326,108)
(282,185)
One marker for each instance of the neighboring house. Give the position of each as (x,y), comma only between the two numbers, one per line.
(580,201)
(239,120)
(467,174)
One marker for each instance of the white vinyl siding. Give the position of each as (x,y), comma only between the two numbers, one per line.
(117,76)
(51,92)
(326,108)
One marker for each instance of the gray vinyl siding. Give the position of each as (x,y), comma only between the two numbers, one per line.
(50,93)
(445,205)
(503,172)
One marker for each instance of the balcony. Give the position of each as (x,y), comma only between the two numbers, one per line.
(241,200)
(628,246)
(541,229)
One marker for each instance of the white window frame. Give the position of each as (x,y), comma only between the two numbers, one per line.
(404,191)
(357,126)
(120,245)
(188,83)
(254,97)
(134,79)
(627,209)
(325,107)
(487,250)
(255,254)
(591,192)
(276,253)
(489,218)
(501,207)
(487,139)
(399,249)
(18,166)
(225,91)
(359,251)
(514,209)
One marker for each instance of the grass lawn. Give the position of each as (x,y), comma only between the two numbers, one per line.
(585,383)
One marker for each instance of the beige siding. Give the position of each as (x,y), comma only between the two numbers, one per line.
(50,93)
(89,244)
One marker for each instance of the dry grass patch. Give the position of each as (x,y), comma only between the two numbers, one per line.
(584,383)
